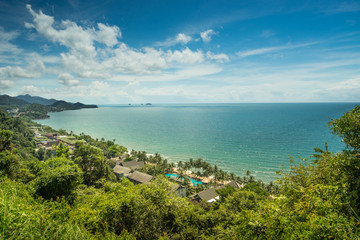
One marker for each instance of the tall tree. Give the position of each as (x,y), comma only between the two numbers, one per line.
(92,162)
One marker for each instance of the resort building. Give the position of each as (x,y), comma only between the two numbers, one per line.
(139,177)
(51,143)
(51,135)
(179,190)
(121,171)
(210,195)
(133,164)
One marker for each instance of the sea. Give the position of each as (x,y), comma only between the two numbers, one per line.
(259,137)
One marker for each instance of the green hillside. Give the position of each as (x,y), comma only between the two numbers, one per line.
(75,195)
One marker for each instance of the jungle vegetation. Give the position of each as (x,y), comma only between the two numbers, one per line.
(75,195)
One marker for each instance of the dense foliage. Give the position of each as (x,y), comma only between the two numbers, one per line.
(315,199)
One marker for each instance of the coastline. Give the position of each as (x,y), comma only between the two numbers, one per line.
(148,129)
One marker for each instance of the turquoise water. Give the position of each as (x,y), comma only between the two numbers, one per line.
(236,137)
(194,182)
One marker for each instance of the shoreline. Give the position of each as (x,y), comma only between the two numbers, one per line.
(239,154)
(255,173)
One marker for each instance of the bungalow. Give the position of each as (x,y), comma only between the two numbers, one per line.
(210,195)
(120,171)
(51,135)
(139,177)
(234,185)
(179,190)
(51,143)
(133,164)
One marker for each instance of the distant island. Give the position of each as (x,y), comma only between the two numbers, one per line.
(35,107)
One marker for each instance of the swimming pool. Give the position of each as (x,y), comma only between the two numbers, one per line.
(194,182)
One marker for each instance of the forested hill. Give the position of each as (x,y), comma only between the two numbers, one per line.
(7,102)
(37,107)
(71,106)
(36,99)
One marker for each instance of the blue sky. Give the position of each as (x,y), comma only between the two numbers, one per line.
(181,51)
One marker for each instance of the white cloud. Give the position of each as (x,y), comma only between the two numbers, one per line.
(189,72)
(185,56)
(30,89)
(128,60)
(72,35)
(125,60)
(260,51)
(181,38)
(5,84)
(108,35)
(222,57)
(82,66)
(353,83)
(5,45)
(35,68)
(134,83)
(94,92)
(88,60)
(67,79)
(206,35)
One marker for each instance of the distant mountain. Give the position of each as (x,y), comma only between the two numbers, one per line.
(37,107)
(36,99)
(63,105)
(8,101)
(81,105)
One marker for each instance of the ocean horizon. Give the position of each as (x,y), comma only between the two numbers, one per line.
(259,137)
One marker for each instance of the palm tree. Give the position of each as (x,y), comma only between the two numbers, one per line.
(180,165)
(252,179)
(198,163)
(191,162)
(187,166)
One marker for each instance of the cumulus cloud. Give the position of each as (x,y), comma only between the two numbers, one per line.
(73,36)
(35,68)
(185,56)
(67,79)
(206,35)
(144,61)
(182,38)
(96,54)
(86,59)
(108,34)
(126,60)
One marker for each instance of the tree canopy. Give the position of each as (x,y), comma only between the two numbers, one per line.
(316,198)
